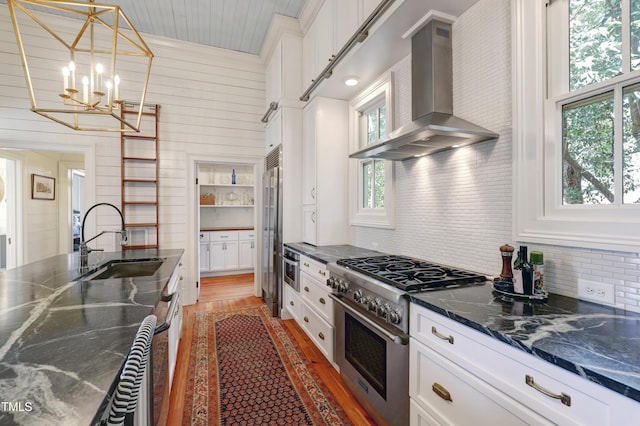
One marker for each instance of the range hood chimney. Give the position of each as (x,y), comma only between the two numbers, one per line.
(434,127)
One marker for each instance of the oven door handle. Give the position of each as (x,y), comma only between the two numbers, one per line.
(171,312)
(291,262)
(398,339)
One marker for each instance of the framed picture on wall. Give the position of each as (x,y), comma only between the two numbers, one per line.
(43,187)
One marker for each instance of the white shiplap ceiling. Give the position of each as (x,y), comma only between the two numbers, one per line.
(238,25)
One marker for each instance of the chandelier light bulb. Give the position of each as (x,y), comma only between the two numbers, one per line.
(72,70)
(99,71)
(109,87)
(65,79)
(85,89)
(116,87)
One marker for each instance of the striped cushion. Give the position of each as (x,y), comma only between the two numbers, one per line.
(126,394)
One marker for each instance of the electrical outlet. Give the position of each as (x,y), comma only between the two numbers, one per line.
(594,291)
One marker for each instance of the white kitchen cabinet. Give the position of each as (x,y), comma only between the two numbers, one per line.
(347,18)
(175,330)
(223,256)
(315,311)
(318,44)
(292,303)
(246,249)
(283,73)
(204,251)
(273,130)
(309,224)
(463,354)
(453,396)
(227,251)
(324,179)
(332,27)
(346,22)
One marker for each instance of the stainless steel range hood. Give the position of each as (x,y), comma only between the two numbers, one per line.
(434,127)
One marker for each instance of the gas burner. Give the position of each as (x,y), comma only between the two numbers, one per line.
(410,274)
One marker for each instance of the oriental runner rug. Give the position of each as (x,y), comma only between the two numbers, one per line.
(245,368)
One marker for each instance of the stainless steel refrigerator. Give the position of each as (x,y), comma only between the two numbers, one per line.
(272,232)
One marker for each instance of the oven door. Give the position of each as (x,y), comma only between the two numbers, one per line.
(291,271)
(374,361)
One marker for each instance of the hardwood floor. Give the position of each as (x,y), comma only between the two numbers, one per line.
(220,293)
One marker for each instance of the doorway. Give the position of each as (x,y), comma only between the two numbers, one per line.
(77,195)
(43,228)
(9,187)
(226,219)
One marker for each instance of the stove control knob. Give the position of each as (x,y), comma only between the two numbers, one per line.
(343,286)
(357,296)
(394,316)
(383,310)
(331,282)
(373,304)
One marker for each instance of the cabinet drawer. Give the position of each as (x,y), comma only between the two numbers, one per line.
(246,235)
(453,396)
(318,330)
(507,369)
(316,269)
(223,236)
(292,303)
(316,294)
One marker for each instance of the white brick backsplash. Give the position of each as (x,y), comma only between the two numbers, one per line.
(455,207)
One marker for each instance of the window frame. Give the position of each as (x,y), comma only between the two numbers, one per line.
(364,101)
(539,215)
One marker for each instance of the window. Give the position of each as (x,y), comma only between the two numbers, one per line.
(577,129)
(371,195)
(598,58)
(373,181)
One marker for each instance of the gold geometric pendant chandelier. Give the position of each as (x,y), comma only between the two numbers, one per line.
(80,78)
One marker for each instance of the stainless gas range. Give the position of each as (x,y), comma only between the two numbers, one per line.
(371,316)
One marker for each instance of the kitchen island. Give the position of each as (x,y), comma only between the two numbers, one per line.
(64,339)
(598,343)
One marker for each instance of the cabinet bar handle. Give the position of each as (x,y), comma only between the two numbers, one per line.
(321,336)
(563,397)
(306,289)
(306,319)
(440,390)
(441,336)
(322,300)
(323,273)
(305,264)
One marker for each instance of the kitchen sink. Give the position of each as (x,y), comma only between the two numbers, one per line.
(127,269)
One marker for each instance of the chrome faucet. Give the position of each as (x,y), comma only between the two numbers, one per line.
(85,250)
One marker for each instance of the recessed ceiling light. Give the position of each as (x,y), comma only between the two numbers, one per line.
(351,81)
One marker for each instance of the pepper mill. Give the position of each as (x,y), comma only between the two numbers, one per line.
(507,254)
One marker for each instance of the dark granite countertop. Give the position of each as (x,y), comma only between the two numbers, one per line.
(63,340)
(329,254)
(599,343)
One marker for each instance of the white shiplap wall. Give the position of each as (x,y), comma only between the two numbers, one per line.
(211,103)
(455,207)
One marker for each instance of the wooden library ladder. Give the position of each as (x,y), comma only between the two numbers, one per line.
(139,178)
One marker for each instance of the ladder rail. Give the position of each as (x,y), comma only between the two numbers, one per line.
(128,203)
